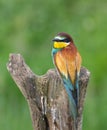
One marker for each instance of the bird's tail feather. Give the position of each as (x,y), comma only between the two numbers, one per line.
(77,88)
(72,104)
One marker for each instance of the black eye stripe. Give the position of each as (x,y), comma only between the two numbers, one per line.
(64,40)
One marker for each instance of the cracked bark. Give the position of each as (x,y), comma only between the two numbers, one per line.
(46,96)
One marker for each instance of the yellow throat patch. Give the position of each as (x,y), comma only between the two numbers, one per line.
(59,45)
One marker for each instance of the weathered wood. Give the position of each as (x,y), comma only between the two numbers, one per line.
(46,96)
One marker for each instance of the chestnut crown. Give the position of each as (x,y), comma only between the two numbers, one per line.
(63,37)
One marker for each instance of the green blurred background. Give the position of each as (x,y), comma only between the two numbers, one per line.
(27,27)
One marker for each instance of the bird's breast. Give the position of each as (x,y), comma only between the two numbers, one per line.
(60,63)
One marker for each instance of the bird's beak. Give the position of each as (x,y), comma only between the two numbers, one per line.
(53,40)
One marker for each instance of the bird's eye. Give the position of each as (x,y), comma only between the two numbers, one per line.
(66,40)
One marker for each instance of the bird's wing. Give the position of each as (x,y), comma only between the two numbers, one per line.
(78,62)
(73,64)
(70,58)
(73,61)
(68,64)
(65,67)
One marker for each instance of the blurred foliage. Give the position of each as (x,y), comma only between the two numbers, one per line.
(27,27)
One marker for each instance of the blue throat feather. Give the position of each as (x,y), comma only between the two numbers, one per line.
(54,51)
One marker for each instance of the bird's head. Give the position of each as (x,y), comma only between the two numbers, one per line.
(62,40)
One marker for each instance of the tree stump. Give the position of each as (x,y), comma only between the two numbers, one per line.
(46,96)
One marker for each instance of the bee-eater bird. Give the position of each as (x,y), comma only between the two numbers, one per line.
(68,62)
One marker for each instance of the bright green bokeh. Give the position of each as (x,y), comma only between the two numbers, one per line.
(27,27)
